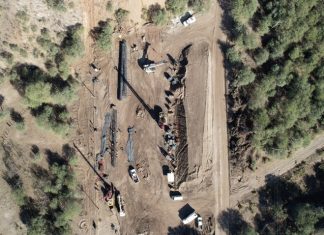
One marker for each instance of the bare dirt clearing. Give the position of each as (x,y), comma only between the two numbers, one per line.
(148,205)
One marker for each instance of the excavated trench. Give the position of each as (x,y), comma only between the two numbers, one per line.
(181,154)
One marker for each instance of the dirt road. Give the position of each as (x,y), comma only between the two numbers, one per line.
(241,190)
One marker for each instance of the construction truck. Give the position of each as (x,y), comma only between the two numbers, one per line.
(150,68)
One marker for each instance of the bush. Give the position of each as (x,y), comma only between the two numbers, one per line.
(7,56)
(156,14)
(103,36)
(22,15)
(54,118)
(38,93)
(109,6)
(121,15)
(199,5)
(23,52)
(176,6)
(56,4)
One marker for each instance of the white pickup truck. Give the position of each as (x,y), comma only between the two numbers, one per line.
(134,175)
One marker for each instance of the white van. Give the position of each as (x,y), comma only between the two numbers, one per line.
(177,197)
(190,218)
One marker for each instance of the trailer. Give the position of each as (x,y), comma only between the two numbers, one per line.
(121,206)
(190,218)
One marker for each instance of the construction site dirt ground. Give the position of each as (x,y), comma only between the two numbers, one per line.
(149,208)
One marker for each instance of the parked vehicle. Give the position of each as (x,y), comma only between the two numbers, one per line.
(177,198)
(134,175)
(189,21)
(121,206)
(199,223)
(190,218)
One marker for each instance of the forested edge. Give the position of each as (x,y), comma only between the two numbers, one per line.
(275,68)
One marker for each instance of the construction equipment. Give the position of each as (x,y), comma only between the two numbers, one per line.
(150,68)
(109,196)
(121,206)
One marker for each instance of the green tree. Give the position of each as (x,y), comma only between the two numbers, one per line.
(305,216)
(176,6)
(261,55)
(243,10)
(199,5)
(104,37)
(156,14)
(244,77)
(121,15)
(38,93)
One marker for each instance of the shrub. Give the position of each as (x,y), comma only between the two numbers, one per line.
(7,56)
(23,52)
(103,36)
(109,6)
(72,44)
(56,4)
(156,14)
(176,6)
(54,118)
(38,93)
(199,5)
(22,15)
(121,15)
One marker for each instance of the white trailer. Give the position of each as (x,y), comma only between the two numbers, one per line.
(190,218)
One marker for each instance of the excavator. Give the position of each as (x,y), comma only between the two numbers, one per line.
(150,68)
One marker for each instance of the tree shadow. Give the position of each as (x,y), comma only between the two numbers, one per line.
(232,222)
(182,230)
(15,116)
(68,152)
(54,157)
